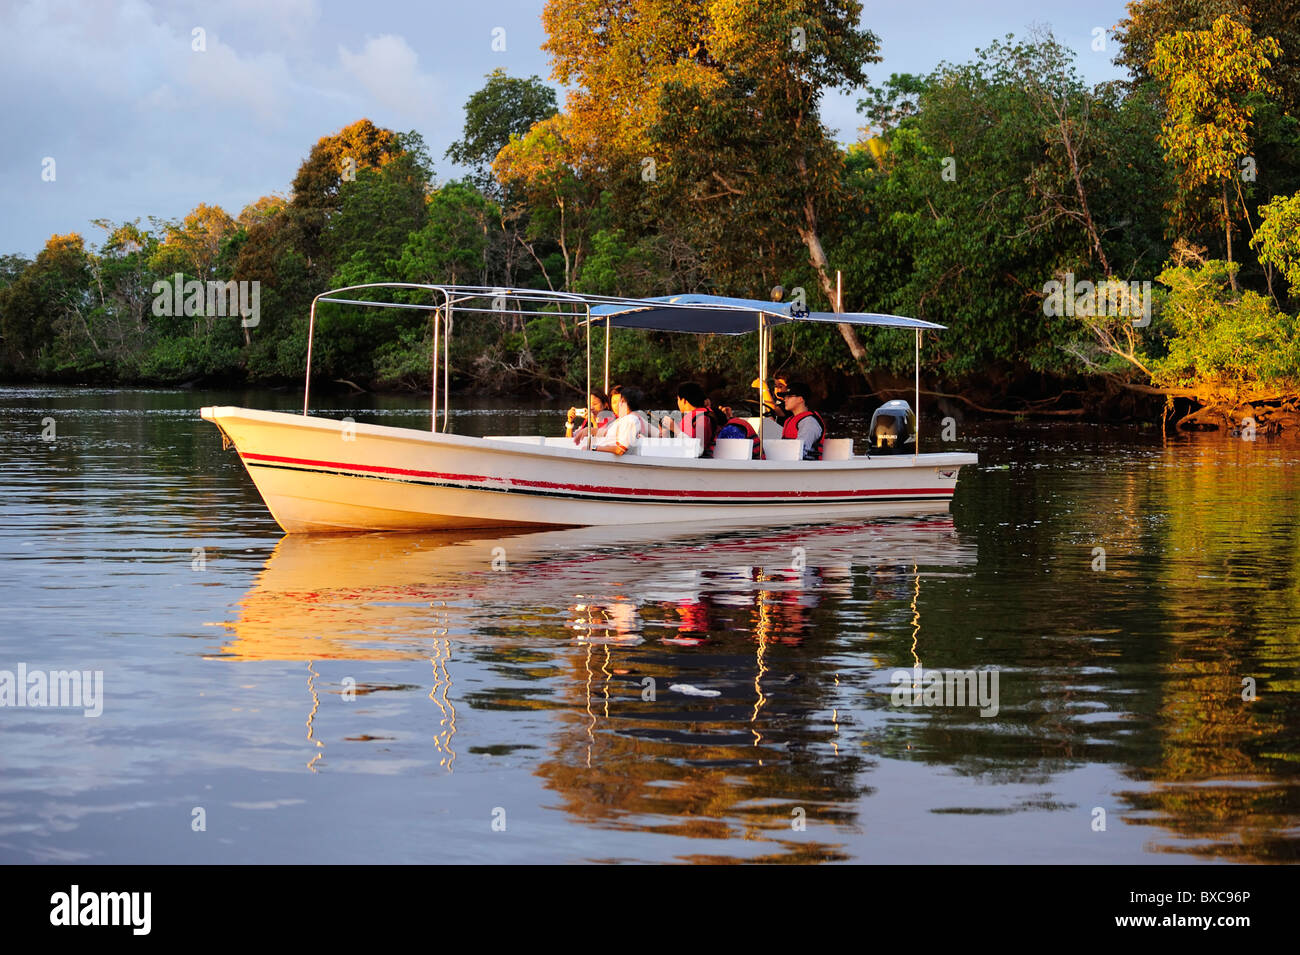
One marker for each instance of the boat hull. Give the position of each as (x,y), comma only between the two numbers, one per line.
(319,475)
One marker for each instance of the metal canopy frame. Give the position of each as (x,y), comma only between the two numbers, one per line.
(690,313)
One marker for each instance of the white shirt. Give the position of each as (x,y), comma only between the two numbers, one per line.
(625,431)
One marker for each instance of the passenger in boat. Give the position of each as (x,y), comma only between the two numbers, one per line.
(630,425)
(696,422)
(803,423)
(599,406)
(772,404)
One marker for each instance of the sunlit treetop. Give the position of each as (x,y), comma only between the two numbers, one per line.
(194,243)
(1207,77)
(262,210)
(362,145)
(613,53)
(1149,20)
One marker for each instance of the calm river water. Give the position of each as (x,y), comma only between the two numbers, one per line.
(652,695)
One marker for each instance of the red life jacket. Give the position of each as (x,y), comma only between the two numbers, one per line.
(750,433)
(791,430)
(691,425)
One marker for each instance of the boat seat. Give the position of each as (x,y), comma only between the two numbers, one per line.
(733,449)
(783,449)
(675,447)
(837,449)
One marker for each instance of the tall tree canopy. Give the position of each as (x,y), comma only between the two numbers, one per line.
(718,100)
(1208,78)
(506,106)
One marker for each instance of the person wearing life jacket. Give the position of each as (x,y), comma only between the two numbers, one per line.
(803,423)
(696,420)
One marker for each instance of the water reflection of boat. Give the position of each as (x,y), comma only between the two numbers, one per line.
(769,607)
(383,596)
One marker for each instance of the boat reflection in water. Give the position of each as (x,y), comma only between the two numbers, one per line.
(687,683)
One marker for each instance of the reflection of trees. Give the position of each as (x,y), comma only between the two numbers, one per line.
(1223,773)
(1139,666)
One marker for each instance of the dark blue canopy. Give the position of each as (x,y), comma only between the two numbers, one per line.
(720,315)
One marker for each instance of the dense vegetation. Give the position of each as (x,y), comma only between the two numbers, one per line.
(690,156)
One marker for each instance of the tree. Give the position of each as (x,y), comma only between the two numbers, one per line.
(123,279)
(503,108)
(1149,20)
(261,211)
(193,244)
(380,208)
(44,309)
(333,161)
(1226,348)
(719,98)
(453,245)
(547,168)
(974,198)
(11,267)
(1278,238)
(1208,77)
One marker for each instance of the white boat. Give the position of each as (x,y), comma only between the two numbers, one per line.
(323,475)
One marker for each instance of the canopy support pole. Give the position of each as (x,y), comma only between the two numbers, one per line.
(762,369)
(606,351)
(591,424)
(446,371)
(916,447)
(311,330)
(433,413)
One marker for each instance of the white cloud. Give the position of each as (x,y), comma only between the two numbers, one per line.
(388,69)
(222,77)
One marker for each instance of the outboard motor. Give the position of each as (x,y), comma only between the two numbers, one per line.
(893,428)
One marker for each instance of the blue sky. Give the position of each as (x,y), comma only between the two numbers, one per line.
(139,123)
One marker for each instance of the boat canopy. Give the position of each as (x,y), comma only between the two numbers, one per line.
(692,313)
(722,315)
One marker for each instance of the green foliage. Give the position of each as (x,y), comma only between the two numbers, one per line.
(377,211)
(406,361)
(1209,77)
(11,267)
(1278,237)
(1225,346)
(453,245)
(43,309)
(503,108)
(188,357)
(969,207)
(971,188)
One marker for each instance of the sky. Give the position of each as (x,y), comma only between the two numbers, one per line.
(125,109)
